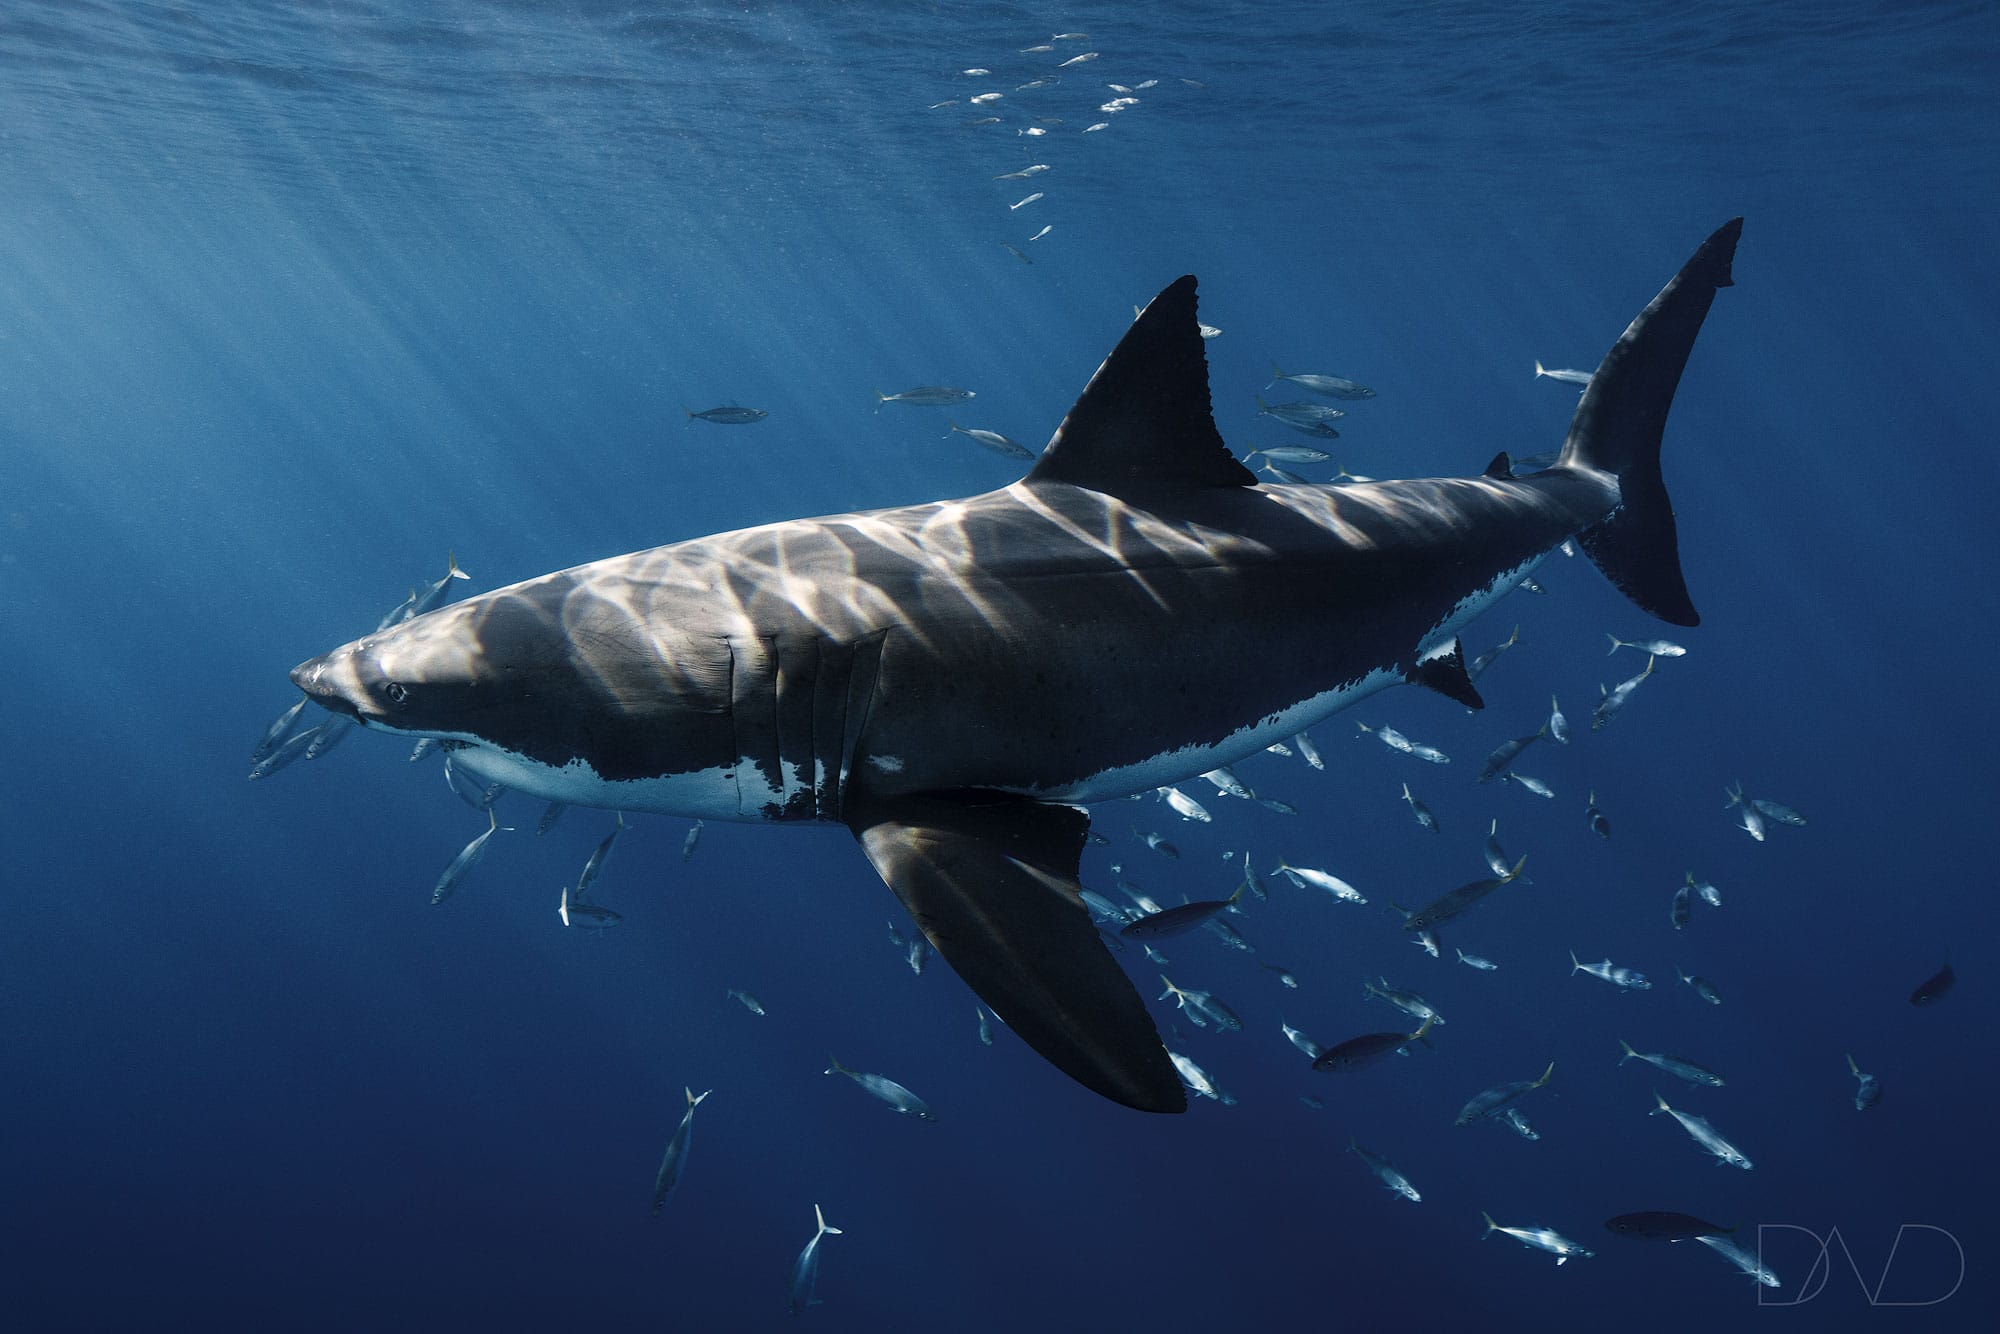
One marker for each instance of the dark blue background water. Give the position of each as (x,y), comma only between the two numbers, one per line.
(294,298)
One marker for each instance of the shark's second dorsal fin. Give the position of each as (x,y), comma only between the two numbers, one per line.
(1143,422)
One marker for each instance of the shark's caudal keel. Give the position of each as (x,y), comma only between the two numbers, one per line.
(945,678)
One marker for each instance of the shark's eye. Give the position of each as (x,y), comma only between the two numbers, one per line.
(396,692)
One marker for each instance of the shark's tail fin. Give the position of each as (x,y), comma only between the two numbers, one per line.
(1618,425)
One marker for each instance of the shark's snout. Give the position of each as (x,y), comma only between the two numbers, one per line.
(329,681)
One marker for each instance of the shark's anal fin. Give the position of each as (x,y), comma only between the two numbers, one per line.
(1143,423)
(992,881)
(1443,670)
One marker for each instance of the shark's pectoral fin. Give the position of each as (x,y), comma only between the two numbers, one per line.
(1443,670)
(992,881)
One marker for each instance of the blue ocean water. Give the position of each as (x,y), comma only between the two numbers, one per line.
(294,298)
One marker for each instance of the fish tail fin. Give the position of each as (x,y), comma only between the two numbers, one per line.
(880,399)
(1662,1104)
(1545,1075)
(1575,964)
(694,1099)
(1851,1065)
(835,1068)
(1618,425)
(1515,874)
(690,416)
(1539,371)
(1629,1053)
(820,1220)
(1616,643)
(1491,1226)
(451,567)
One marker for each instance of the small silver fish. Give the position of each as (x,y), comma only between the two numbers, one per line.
(1704,1134)
(1185,806)
(1702,987)
(1678,1066)
(992,440)
(1628,978)
(1540,1239)
(1595,818)
(1558,726)
(280,727)
(1332,386)
(598,857)
(550,814)
(1614,700)
(746,1000)
(1197,1079)
(926,396)
(1420,811)
(1748,818)
(1534,785)
(1200,1005)
(1303,876)
(461,865)
(1869,1090)
(1567,377)
(1751,1266)
(1023,203)
(730,415)
(888,1090)
(669,1175)
(1652,648)
(805,1269)
(693,837)
(1290,454)
(1305,1044)
(1310,753)
(1778,812)
(1492,655)
(1488,1101)
(1474,961)
(292,748)
(586,916)
(1386,1170)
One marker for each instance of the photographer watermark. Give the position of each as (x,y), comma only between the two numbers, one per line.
(1924,1265)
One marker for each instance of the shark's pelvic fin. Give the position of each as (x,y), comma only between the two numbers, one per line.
(1443,670)
(992,881)
(1619,422)
(1143,423)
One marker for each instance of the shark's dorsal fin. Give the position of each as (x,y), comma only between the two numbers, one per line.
(1143,422)
(1443,670)
(1502,467)
(992,881)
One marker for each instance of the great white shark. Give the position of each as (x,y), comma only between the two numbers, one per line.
(953,681)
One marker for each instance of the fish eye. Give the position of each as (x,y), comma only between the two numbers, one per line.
(397,693)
